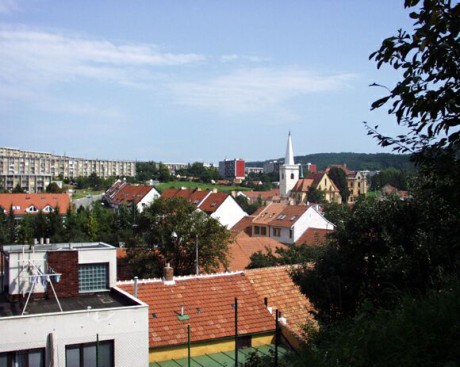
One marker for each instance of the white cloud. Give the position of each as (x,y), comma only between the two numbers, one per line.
(257,89)
(9,6)
(30,56)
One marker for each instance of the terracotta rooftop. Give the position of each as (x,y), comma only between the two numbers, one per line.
(207,302)
(127,193)
(213,202)
(264,195)
(244,225)
(313,236)
(243,246)
(193,196)
(280,214)
(22,202)
(282,294)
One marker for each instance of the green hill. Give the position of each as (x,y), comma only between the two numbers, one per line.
(353,161)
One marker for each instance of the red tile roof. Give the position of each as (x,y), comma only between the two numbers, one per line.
(313,236)
(282,294)
(280,214)
(244,225)
(207,300)
(21,202)
(213,202)
(127,193)
(264,195)
(243,246)
(195,196)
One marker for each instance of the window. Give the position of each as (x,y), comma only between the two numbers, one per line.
(292,176)
(263,231)
(290,233)
(84,355)
(23,358)
(93,277)
(276,232)
(256,230)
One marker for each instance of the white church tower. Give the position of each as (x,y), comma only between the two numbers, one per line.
(289,171)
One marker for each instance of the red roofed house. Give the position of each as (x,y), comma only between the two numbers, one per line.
(34,203)
(220,206)
(356,181)
(287,223)
(319,181)
(121,193)
(207,304)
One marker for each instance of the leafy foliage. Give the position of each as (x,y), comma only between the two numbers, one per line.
(420,332)
(427,99)
(339,177)
(173,227)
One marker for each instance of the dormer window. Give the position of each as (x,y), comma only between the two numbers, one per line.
(48,209)
(32,209)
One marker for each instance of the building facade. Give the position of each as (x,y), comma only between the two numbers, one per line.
(234,168)
(34,171)
(60,307)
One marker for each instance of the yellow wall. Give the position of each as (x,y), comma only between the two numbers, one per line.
(176,352)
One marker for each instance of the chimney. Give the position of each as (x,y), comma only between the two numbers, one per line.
(168,274)
(41,240)
(47,240)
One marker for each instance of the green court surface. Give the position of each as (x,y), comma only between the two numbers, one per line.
(223,359)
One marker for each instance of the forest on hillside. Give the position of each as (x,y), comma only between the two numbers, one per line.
(353,161)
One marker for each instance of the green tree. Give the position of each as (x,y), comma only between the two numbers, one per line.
(315,196)
(339,177)
(18,189)
(427,98)
(173,227)
(163,173)
(53,188)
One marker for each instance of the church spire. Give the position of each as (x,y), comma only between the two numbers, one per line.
(289,159)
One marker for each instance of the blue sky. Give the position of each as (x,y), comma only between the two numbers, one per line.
(185,81)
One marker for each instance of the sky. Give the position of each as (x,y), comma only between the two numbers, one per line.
(193,80)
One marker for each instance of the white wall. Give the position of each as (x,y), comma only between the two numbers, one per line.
(148,199)
(229,213)
(127,326)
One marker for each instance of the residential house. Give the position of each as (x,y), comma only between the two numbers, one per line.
(389,190)
(287,223)
(220,206)
(319,181)
(206,303)
(122,193)
(23,204)
(59,306)
(356,181)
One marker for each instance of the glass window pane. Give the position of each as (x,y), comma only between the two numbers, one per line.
(36,358)
(20,359)
(72,357)
(3,360)
(89,356)
(105,354)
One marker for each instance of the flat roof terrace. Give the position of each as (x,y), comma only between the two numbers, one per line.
(111,299)
(56,247)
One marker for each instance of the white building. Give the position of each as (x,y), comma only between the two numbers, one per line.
(60,306)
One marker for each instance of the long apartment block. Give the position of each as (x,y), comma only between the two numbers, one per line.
(34,171)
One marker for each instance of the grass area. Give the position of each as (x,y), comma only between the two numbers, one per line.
(78,194)
(193,185)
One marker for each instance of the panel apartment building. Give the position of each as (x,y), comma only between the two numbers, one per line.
(34,171)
